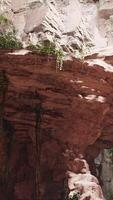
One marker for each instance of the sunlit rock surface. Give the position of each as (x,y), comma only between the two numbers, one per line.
(59,21)
(82,183)
(76,26)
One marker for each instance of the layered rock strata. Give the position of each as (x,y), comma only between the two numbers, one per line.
(48,113)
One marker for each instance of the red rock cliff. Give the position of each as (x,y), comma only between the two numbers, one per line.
(48,112)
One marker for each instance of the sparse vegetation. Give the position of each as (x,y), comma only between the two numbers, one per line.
(9,41)
(50,49)
(8,38)
(110,195)
(4,20)
(111,154)
(75,197)
(59,54)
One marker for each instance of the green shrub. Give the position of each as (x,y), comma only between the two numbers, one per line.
(49,48)
(32,47)
(75,197)
(59,54)
(9,41)
(8,38)
(4,20)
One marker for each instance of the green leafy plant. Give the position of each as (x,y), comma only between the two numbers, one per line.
(59,54)
(32,47)
(8,38)
(4,20)
(75,197)
(9,41)
(49,48)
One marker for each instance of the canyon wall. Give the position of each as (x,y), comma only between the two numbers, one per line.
(51,117)
(48,114)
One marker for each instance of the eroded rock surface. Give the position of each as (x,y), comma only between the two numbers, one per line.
(49,113)
(39,20)
(82,183)
(76,26)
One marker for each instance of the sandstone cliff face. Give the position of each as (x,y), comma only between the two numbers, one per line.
(51,117)
(45,114)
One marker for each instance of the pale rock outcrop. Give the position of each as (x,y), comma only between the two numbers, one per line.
(82,183)
(105,20)
(59,21)
(78,27)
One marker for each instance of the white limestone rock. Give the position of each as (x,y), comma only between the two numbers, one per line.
(77,26)
(83,183)
(59,21)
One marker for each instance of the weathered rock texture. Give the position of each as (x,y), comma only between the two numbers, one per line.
(82,183)
(53,20)
(49,113)
(76,26)
(106,20)
(46,112)
(37,20)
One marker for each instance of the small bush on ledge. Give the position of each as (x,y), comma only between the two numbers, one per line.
(4,20)
(9,41)
(75,197)
(49,48)
(8,38)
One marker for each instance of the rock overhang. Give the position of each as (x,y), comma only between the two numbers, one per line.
(76,100)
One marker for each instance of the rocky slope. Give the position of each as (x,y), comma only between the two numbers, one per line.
(53,20)
(37,20)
